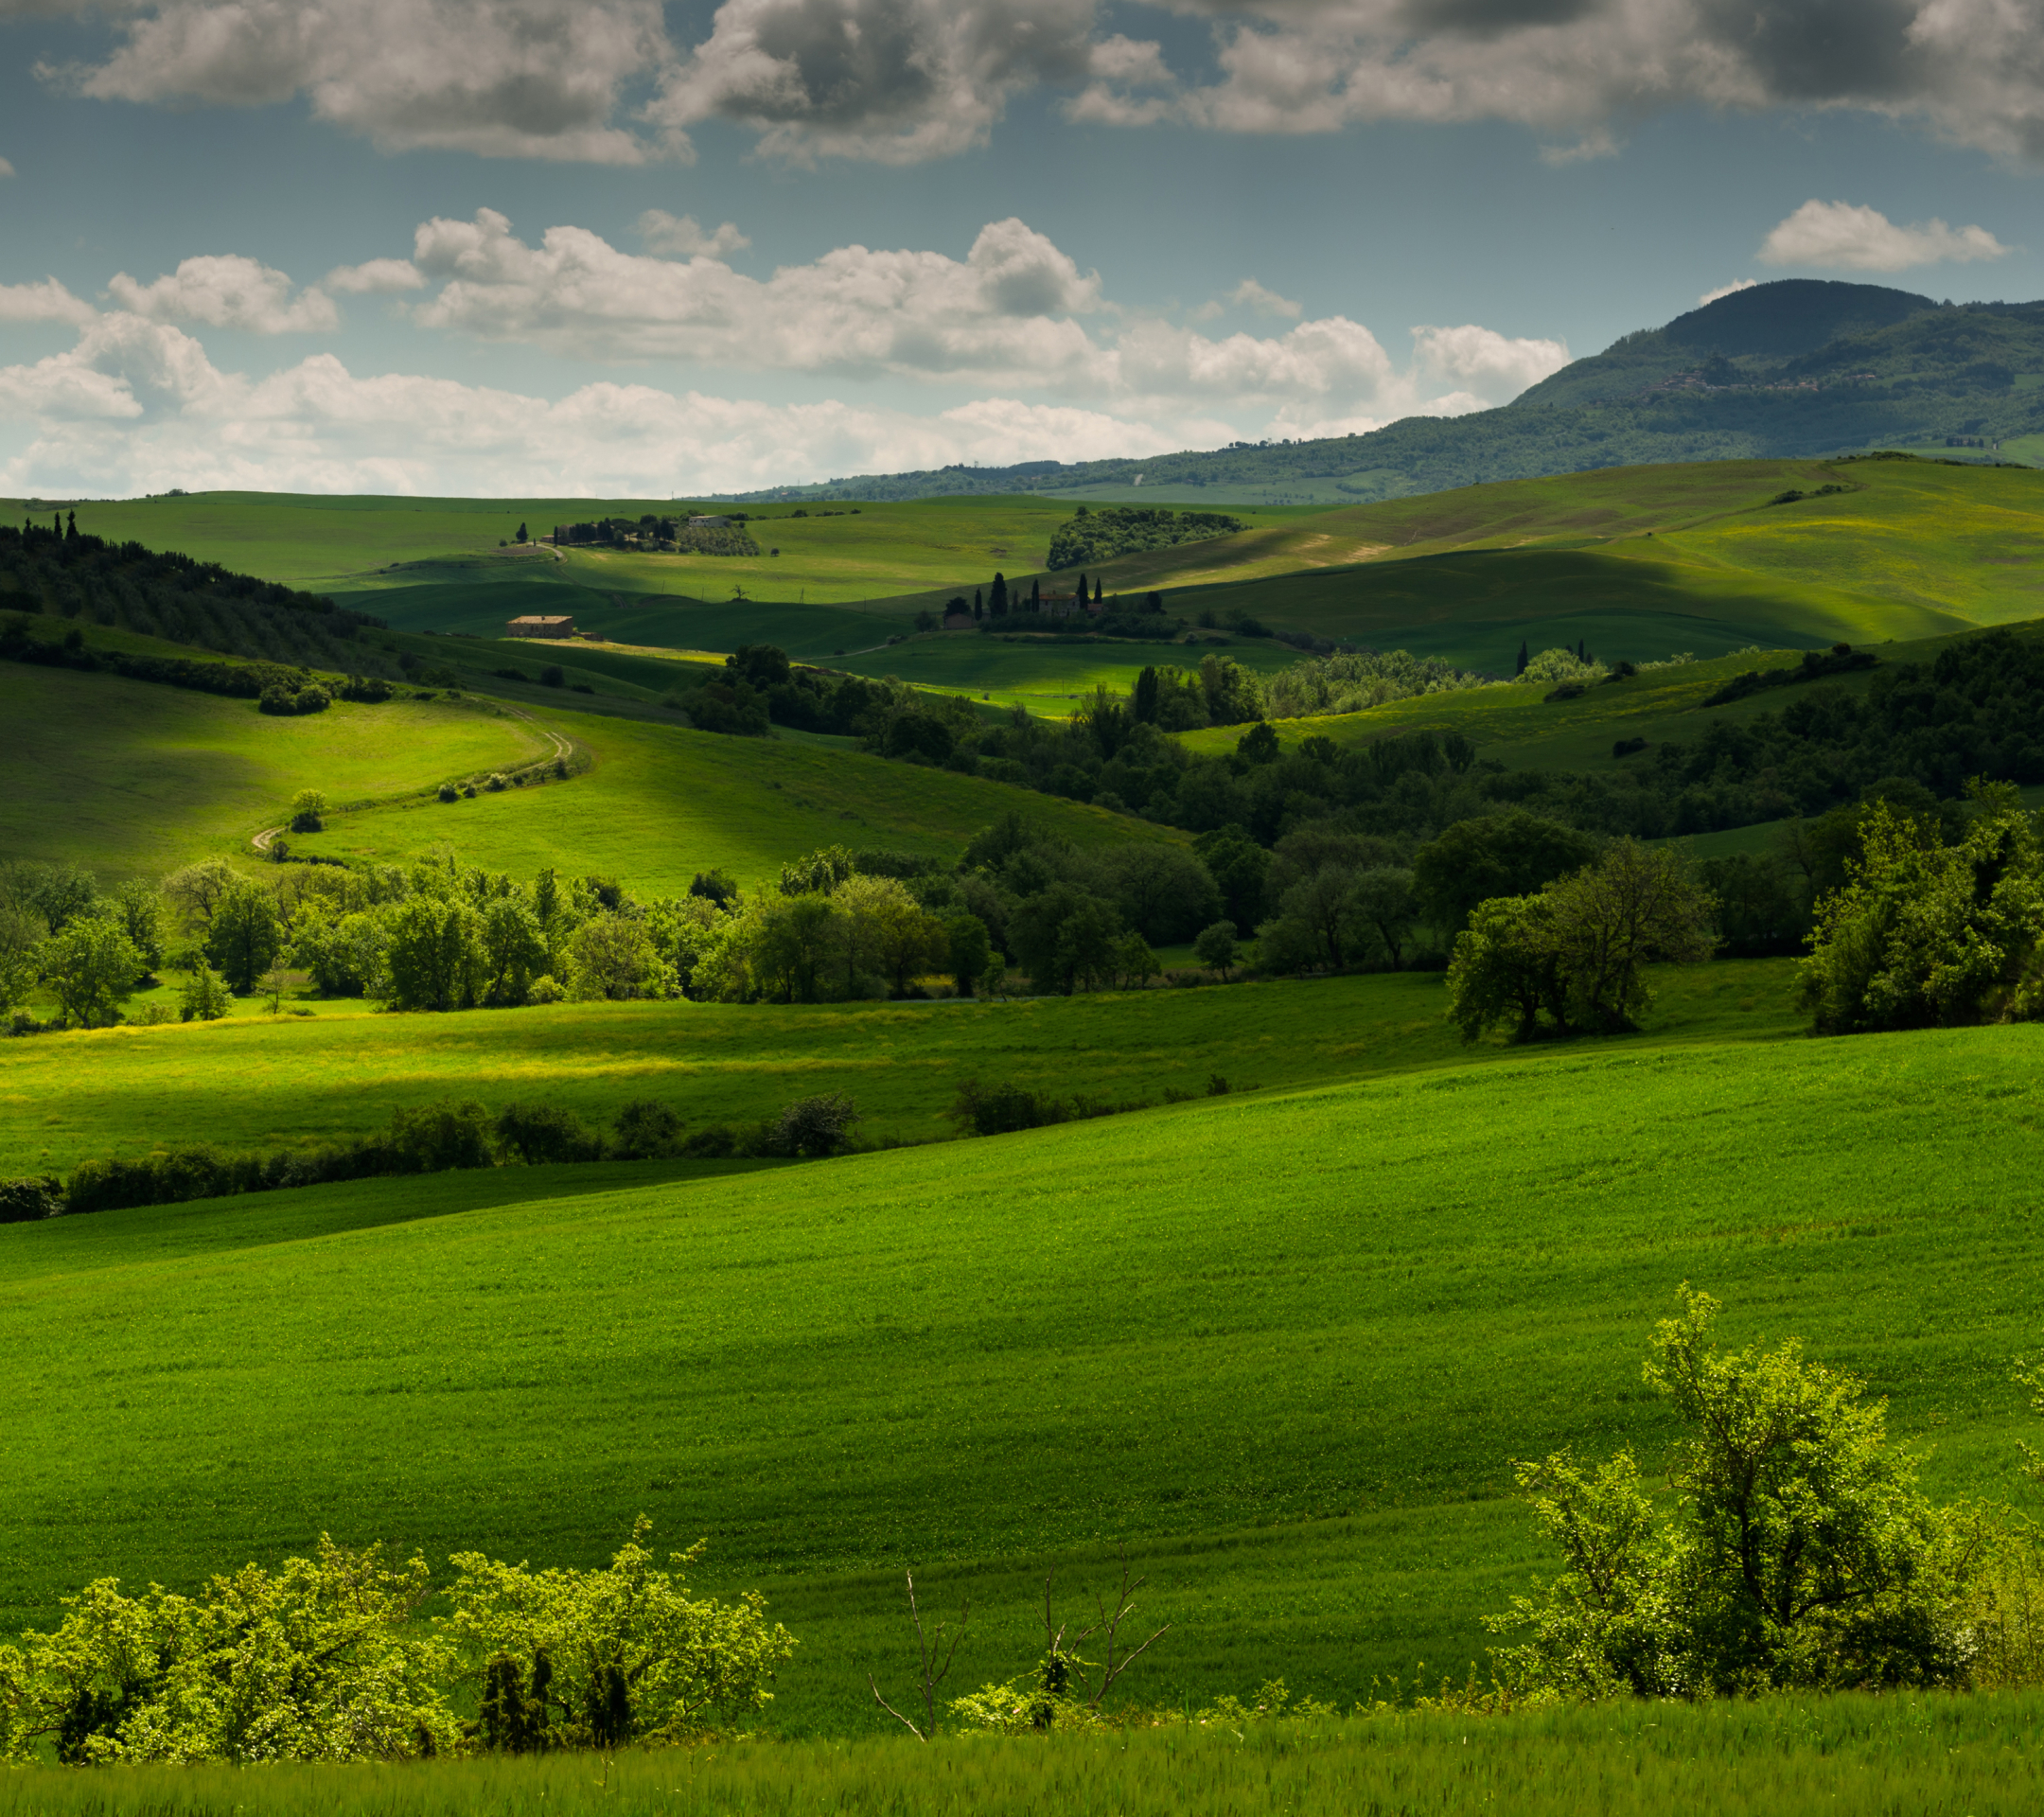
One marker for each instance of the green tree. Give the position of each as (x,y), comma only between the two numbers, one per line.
(204,997)
(1218,947)
(195,891)
(1239,867)
(967,943)
(1134,964)
(434,958)
(514,946)
(1317,926)
(21,943)
(93,966)
(1925,934)
(606,1658)
(244,935)
(614,957)
(138,908)
(1505,967)
(1638,903)
(308,811)
(1799,1552)
(1512,853)
(1384,901)
(1163,892)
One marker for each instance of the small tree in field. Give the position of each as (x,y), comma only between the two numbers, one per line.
(204,997)
(93,967)
(308,811)
(1799,1553)
(1218,947)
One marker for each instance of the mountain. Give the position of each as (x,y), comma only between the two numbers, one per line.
(1788,369)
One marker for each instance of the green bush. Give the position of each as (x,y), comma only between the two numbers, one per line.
(1000,1110)
(536,1133)
(644,1130)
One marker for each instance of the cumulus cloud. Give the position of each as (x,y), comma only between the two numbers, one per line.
(227,291)
(1732,289)
(891,80)
(45,302)
(1249,295)
(682,235)
(375,278)
(1836,235)
(1004,311)
(1484,363)
(541,78)
(137,406)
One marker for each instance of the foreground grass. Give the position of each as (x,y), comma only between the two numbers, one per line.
(257,1081)
(1913,1756)
(1284,1345)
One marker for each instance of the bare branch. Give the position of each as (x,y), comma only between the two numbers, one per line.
(931,1670)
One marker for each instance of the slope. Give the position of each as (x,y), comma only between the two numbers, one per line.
(1293,1381)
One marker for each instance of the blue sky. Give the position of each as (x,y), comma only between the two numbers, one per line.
(600,246)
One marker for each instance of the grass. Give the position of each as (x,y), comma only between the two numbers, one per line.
(132,777)
(256,1082)
(1925,1756)
(1283,1344)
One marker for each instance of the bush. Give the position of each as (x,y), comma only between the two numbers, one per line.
(551,677)
(537,1133)
(449,792)
(1001,1110)
(714,1142)
(544,989)
(308,811)
(497,783)
(1218,947)
(26,1201)
(644,1130)
(438,1136)
(816,1127)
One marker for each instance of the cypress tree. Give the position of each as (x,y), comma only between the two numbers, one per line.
(1035,595)
(1521,669)
(997,599)
(1082,585)
(71,533)
(978,611)
(1580,656)
(1095,589)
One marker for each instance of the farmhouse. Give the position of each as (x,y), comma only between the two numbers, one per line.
(534,625)
(708,523)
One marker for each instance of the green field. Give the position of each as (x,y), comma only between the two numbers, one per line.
(1284,1345)
(256,1081)
(1787,1757)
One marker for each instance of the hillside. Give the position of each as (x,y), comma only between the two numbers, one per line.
(1787,370)
(1284,1346)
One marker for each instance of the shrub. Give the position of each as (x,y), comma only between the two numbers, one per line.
(308,811)
(714,1143)
(311,700)
(644,1130)
(1218,947)
(544,989)
(536,1133)
(447,792)
(496,785)
(24,1201)
(276,697)
(1000,1110)
(814,1127)
(435,1138)
(551,677)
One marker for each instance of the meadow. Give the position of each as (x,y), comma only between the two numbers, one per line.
(1283,1344)
(257,1081)
(1917,1756)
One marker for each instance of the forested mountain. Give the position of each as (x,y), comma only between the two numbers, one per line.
(1787,369)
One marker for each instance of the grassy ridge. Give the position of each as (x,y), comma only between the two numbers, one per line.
(256,1082)
(1284,1345)
(1787,1757)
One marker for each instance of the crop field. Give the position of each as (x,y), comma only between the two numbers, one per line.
(1284,1346)
(256,1081)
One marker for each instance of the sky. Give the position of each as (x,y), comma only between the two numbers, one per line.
(613,248)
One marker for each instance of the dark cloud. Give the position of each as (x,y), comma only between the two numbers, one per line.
(1493,18)
(1823,50)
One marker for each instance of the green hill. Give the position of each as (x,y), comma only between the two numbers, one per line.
(1284,1346)
(1788,369)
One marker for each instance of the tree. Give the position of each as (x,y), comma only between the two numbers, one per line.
(515,950)
(195,891)
(610,1657)
(436,957)
(1799,1552)
(1520,668)
(1144,708)
(1062,938)
(1924,934)
(308,811)
(816,1127)
(1134,964)
(204,997)
(1036,594)
(1229,689)
(138,907)
(1258,745)
(57,892)
(1638,903)
(1384,901)
(1163,892)
(21,941)
(1239,867)
(522,537)
(978,608)
(1315,927)
(1218,947)
(1506,968)
(245,935)
(998,597)
(93,966)
(969,946)
(1512,853)
(614,956)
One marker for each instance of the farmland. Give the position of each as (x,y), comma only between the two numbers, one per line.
(979,1358)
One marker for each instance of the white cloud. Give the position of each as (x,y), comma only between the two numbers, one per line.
(227,291)
(136,407)
(1732,289)
(892,80)
(682,235)
(1485,364)
(45,302)
(6,169)
(1249,295)
(375,278)
(1002,312)
(1838,236)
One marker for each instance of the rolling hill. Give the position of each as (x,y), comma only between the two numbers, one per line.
(1788,369)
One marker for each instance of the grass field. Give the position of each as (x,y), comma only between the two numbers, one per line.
(1925,1756)
(1284,1345)
(256,1081)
